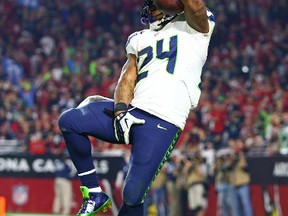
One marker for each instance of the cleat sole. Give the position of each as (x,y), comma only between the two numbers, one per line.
(105,207)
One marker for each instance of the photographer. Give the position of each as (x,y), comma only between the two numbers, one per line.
(174,182)
(195,171)
(241,178)
(223,182)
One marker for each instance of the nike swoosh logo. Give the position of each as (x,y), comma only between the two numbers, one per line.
(126,122)
(160,127)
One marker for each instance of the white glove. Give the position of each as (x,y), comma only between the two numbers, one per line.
(92,98)
(122,125)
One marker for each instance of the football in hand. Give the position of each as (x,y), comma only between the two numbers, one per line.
(170,7)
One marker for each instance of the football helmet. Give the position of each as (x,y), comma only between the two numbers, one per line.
(148,19)
(145,14)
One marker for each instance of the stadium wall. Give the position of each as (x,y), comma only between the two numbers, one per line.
(27,183)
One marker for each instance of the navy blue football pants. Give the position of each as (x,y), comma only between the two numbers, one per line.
(151,143)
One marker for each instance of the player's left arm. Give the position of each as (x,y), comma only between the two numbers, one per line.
(124,91)
(123,95)
(195,14)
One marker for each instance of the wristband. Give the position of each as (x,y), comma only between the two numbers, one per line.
(120,107)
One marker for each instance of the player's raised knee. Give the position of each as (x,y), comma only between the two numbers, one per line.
(65,121)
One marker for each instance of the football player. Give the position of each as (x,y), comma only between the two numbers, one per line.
(158,86)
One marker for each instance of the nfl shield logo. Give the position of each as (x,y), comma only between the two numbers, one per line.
(20,194)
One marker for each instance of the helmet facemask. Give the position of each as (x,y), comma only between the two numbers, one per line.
(145,14)
(148,19)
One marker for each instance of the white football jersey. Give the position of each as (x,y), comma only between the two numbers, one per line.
(169,64)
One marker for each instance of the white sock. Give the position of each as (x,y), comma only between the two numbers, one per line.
(95,190)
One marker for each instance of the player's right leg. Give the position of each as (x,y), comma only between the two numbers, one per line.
(76,124)
(152,144)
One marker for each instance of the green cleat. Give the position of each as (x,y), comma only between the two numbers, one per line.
(93,203)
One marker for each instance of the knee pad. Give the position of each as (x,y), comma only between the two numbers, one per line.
(66,120)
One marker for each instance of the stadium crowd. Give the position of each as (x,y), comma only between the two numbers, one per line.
(55,53)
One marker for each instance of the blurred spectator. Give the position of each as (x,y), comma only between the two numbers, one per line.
(159,193)
(217,120)
(283,135)
(181,184)
(55,141)
(196,173)
(37,144)
(6,133)
(227,203)
(232,127)
(257,146)
(209,154)
(241,180)
(273,128)
(171,184)
(63,192)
